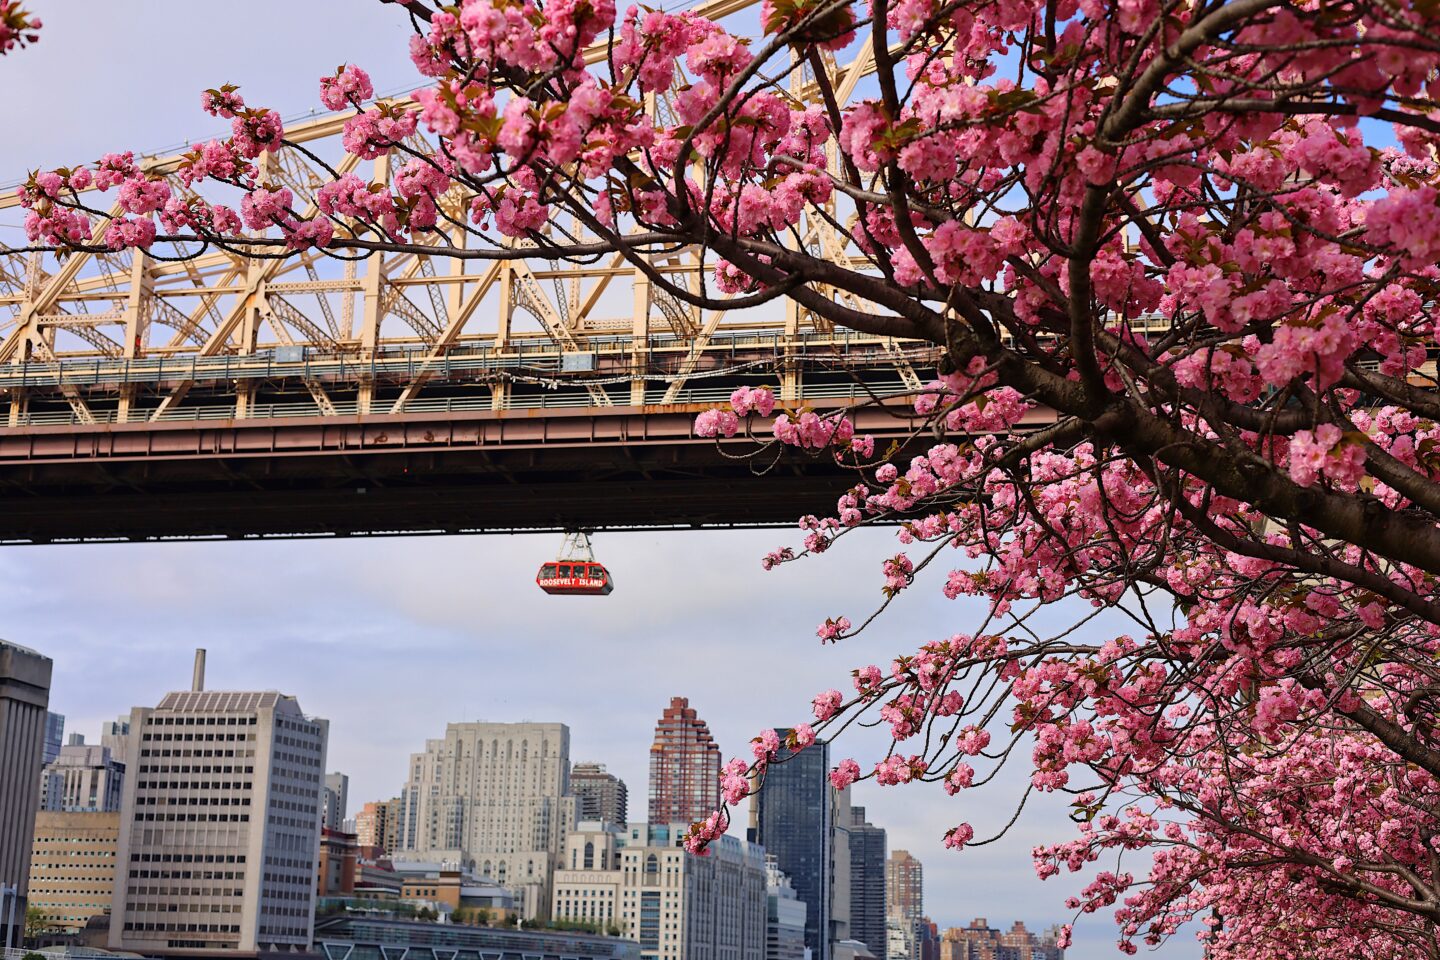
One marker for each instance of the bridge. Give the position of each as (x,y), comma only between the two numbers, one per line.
(218,396)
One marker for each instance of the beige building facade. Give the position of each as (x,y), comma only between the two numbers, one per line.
(676,905)
(72,865)
(493,799)
(220,826)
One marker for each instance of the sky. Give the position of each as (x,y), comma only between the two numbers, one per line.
(390,639)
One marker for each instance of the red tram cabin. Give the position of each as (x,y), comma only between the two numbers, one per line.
(575,577)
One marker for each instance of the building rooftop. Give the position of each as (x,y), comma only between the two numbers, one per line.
(20,648)
(228,701)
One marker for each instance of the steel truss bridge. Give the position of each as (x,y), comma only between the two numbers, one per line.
(404,393)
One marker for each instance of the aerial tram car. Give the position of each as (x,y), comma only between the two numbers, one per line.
(575,571)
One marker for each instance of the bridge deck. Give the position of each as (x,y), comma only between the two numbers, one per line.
(443,472)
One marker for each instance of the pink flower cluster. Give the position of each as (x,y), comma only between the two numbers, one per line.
(348,86)
(1326,451)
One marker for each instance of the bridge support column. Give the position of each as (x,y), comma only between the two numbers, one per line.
(640,338)
(141,285)
(500,390)
(372,290)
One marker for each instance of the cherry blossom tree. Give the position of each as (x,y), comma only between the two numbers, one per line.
(1181,258)
(17,27)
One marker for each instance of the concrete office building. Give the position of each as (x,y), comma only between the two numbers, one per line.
(220,827)
(82,777)
(684,767)
(599,796)
(24,695)
(72,866)
(867,883)
(337,796)
(493,798)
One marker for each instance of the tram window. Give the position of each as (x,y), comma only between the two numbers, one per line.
(564,569)
(549,571)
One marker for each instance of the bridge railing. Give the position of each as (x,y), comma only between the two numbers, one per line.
(542,401)
(400,364)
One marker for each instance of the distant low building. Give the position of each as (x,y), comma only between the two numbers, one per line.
(373,937)
(980,941)
(72,866)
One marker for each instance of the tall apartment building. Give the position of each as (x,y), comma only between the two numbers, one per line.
(24,695)
(793,818)
(493,798)
(54,734)
(377,825)
(72,866)
(867,883)
(82,777)
(784,916)
(337,797)
(599,796)
(904,905)
(220,826)
(684,767)
(904,886)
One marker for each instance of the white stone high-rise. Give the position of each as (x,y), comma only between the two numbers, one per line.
(220,826)
(493,798)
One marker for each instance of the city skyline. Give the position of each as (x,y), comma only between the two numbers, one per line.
(379,717)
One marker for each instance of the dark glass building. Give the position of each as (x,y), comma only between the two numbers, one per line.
(791,818)
(867,883)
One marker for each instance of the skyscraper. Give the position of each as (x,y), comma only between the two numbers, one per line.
(220,827)
(24,695)
(337,797)
(684,767)
(867,883)
(377,824)
(792,818)
(495,798)
(599,796)
(54,734)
